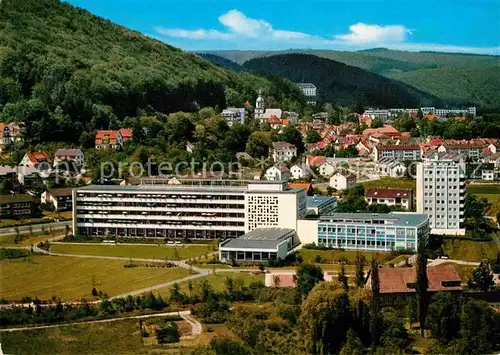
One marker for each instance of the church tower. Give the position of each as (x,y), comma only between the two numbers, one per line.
(260,106)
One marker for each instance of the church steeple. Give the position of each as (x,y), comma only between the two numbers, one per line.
(260,106)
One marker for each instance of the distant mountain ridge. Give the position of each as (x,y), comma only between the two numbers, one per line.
(341,84)
(410,68)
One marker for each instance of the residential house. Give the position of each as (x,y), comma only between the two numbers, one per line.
(386,130)
(391,167)
(126,133)
(342,181)
(277,173)
(409,152)
(106,139)
(277,123)
(315,160)
(283,151)
(299,171)
(292,116)
(390,197)
(234,115)
(488,174)
(272,112)
(9,133)
(69,155)
(400,283)
(61,198)
(326,169)
(37,160)
(17,206)
(471,149)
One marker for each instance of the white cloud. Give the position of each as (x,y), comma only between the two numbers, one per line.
(362,33)
(193,34)
(238,27)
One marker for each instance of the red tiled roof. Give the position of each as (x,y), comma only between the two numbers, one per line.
(387,129)
(295,185)
(126,133)
(397,280)
(38,157)
(315,160)
(387,192)
(104,135)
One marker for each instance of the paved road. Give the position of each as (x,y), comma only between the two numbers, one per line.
(196,327)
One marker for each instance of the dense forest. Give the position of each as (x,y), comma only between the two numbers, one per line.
(65,71)
(478,80)
(339,83)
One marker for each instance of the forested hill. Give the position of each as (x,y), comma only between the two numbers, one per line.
(65,71)
(341,84)
(221,62)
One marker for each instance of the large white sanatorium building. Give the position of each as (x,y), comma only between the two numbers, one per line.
(441,195)
(191,209)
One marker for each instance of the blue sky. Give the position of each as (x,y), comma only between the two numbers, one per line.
(438,25)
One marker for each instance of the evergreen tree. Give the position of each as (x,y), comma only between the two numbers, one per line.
(422,283)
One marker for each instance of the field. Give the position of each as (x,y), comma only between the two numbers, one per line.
(28,239)
(391,182)
(469,250)
(217,281)
(493,189)
(135,251)
(331,256)
(73,278)
(494,199)
(121,337)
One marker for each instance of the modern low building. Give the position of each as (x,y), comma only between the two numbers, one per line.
(320,205)
(401,152)
(194,208)
(17,206)
(441,194)
(390,197)
(372,231)
(259,245)
(61,198)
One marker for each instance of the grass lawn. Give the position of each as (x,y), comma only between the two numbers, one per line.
(330,256)
(73,278)
(476,189)
(28,239)
(134,251)
(469,250)
(391,182)
(465,271)
(217,281)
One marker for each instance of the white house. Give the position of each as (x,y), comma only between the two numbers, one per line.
(190,147)
(299,171)
(326,169)
(61,198)
(277,173)
(390,197)
(341,181)
(234,114)
(37,160)
(391,167)
(488,174)
(283,151)
(69,155)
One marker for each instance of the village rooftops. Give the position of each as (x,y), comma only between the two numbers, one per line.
(67,152)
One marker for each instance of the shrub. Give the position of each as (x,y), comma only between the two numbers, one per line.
(168,333)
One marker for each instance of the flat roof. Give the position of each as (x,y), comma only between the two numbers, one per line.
(163,188)
(397,218)
(263,238)
(316,201)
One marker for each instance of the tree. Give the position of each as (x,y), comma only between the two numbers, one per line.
(313,136)
(353,345)
(444,317)
(359,265)
(308,276)
(482,277)
(258,144)
(375,303)
(343,278)
(293,136)
(422,283)
(325,318)
(168,333)
(377,123)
